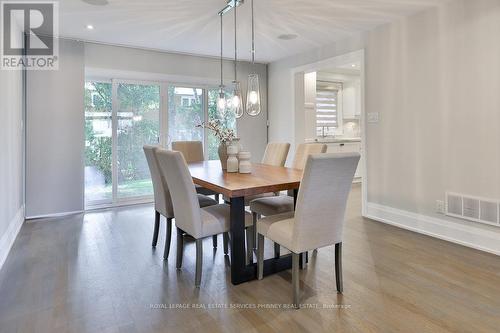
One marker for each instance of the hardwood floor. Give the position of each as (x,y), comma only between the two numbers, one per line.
(98,273)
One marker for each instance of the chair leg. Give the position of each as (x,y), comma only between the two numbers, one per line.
(260,256)
(254,220)
(276,250)
(250,246)
(225,238)
(295,279)
(214,241)
(180,248)
(157,229)
(217,197)
(338,267)
(199,262)
(168,238)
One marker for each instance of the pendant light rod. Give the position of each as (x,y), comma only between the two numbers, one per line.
(235,46)
(253,38)
(221,55)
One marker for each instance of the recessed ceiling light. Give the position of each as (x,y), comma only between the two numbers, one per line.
(96,2)
(89,27)
(353,65)
(288,36)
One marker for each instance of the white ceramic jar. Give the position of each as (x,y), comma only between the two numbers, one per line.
(245,165)
(232,160)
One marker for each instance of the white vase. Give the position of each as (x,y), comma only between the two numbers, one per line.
(232,161)
(236,143)
(245,165)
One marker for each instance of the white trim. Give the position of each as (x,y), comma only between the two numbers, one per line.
(55,215)
(10,235)
(119,204)
(455,232)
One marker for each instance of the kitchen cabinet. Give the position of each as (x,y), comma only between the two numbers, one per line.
(348,147)
(351,100)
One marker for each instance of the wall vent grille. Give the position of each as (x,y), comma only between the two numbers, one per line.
(473,208)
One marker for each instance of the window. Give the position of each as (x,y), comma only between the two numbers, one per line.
(121,116)
(138,124)
(98,133)
(185,111)
(328,105)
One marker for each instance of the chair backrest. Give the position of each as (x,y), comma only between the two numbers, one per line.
(276,153)
(192,150)
(186,206)
(322,200)
(304,150)
(163,201)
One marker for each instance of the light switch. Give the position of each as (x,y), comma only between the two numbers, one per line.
(373,117)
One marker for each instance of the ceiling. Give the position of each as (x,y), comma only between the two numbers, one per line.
(192,26)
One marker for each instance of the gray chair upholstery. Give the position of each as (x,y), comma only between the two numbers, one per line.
(193,152)
(276,153)
(318,220)
(190,218)
(272,205)
(162,198)
(279,204)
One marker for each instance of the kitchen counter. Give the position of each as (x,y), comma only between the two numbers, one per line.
(333,140)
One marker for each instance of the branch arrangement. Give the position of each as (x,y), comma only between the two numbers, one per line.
(222,133)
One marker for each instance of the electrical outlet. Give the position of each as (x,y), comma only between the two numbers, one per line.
(440,206)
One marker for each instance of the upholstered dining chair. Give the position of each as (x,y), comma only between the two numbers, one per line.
(163,200)
(190,218)
(193,152)
(318,220)
(276,153)
(273,205)
(284,203)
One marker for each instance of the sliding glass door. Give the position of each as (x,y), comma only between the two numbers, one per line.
(98,142)
(138,124)
(185,111)
(123,116)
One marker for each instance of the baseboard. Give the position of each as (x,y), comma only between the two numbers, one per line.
(10,235)
(39,217)
(474,236)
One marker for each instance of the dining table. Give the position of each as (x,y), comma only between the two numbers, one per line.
(235,187)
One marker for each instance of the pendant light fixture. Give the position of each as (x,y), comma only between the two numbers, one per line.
(221,101)
(253,88)
(236,100)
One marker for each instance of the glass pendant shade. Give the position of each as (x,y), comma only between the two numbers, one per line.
(253,95)
(221,103)
(236,100)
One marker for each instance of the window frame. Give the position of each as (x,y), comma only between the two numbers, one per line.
(339,129)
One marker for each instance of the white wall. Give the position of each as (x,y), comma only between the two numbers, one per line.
(55,135)
(153,65)
(434,78)
(11,158)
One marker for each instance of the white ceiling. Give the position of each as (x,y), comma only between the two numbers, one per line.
(192,26)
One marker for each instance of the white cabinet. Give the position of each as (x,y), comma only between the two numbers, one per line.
(348,147)
(351,100)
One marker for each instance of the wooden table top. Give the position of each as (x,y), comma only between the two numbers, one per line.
(263,179)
